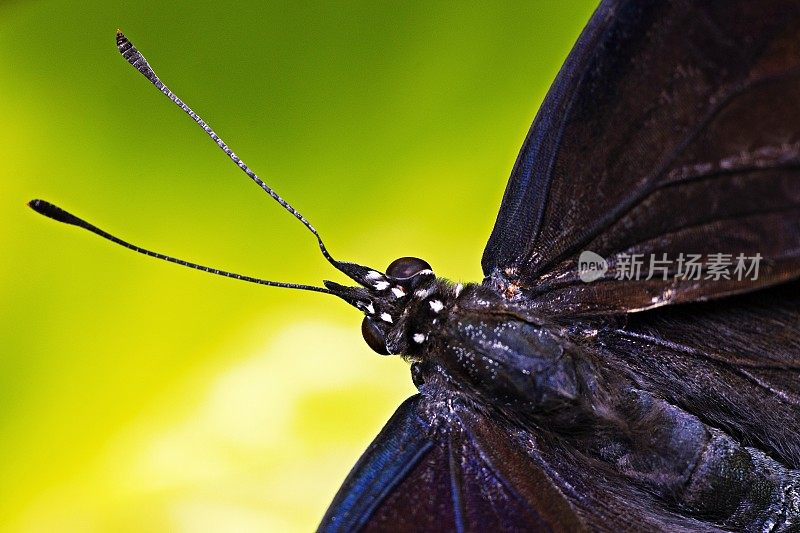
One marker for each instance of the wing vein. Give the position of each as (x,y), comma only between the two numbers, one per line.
(664,343)
(456,488)
(651,182)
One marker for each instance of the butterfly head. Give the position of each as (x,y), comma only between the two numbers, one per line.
(390,302)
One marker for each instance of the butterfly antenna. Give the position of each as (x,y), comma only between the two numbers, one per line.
(56,213)
(135,58)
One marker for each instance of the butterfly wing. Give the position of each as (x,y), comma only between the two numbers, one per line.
(398,449)
(442,464)
(673,126)
(431,475)
(735,364)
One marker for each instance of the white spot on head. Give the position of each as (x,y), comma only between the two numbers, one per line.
(436,305)
(369,308)
(374,275)
(422,293)
(458,289)
(386,317)
(427,271)
(381,285)
(419,338)
(398,292)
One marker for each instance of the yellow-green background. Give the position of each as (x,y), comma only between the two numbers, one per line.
(139,396)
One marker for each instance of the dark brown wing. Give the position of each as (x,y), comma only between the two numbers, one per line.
(427,471)
(673,127)
(735,364)
(440,464)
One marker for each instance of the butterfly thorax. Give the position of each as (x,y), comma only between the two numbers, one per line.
(500,352)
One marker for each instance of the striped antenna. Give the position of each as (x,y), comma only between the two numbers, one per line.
(56,213)
(135,58)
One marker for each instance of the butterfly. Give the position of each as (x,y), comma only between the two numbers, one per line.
(631,359)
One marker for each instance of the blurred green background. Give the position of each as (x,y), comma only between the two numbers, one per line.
(139,396)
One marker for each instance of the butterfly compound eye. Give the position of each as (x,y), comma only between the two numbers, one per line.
(405,267)
(373,336)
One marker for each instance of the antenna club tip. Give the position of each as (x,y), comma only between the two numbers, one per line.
(53,211)
(37,205)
